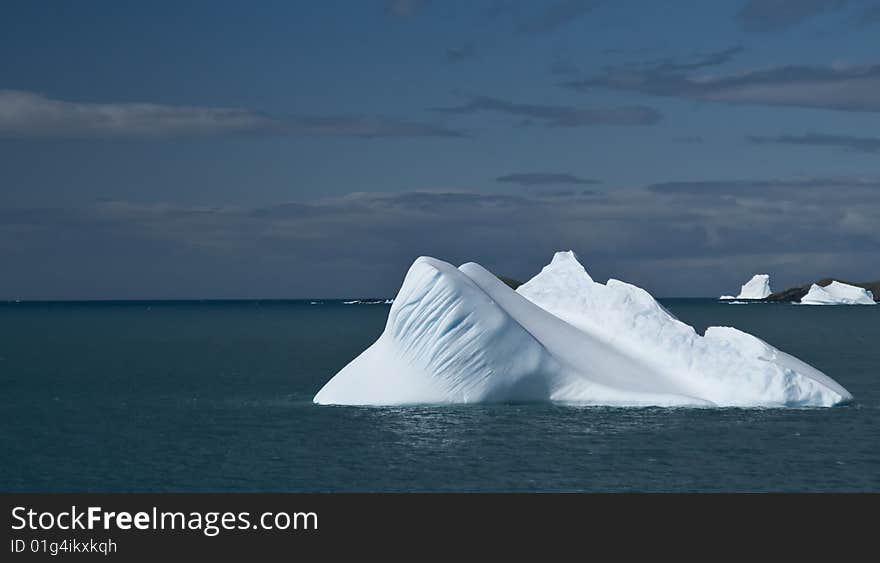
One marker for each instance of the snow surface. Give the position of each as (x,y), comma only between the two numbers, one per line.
(460,335)
(756,288)
(837,293)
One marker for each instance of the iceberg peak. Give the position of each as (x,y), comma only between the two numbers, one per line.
(564,256)
(756,288)
(566,264)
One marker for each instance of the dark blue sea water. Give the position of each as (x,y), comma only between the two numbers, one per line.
(216,396)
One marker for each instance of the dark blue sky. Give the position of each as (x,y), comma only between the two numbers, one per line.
(293,149)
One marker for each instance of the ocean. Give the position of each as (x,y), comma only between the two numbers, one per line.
(216,396)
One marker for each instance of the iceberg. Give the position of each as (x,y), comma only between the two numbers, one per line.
(756,288)
(837,293)
(460,335)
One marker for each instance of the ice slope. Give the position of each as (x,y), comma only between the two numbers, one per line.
(725,367)
(756,288)
(445,341)
(460,335)
(837,293)
(592,372)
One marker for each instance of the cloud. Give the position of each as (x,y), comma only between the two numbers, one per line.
(834,87)
(710,59)
(805,188)
(365,126)
(559,115)
(544,179)
(676,238)
(31,115)
(777,15)
(847,142)
(459,54)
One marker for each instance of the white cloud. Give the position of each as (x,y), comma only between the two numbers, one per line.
(362,243)
(31,115)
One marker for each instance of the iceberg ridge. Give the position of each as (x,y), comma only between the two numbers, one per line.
(837,293)
(756,288)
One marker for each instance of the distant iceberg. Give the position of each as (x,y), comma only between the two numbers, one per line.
(837,293)
(756,288)
(460,335)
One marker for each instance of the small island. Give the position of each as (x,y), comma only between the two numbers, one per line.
(795,294)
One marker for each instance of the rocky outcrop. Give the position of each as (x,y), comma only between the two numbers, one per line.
(795,294)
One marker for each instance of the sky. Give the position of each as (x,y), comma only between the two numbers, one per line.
(207,150)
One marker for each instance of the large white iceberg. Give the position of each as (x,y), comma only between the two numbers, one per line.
(837,293)
(756,288)
(460,335)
